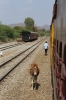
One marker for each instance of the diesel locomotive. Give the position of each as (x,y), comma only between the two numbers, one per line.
(58,49)
(29,36)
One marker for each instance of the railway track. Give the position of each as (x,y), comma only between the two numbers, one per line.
(10,46)
(11,64)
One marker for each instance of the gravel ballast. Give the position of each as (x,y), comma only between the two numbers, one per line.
(17,86)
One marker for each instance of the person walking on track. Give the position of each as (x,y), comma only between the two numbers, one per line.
(46,47)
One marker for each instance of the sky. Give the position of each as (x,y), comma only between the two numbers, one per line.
(15,11)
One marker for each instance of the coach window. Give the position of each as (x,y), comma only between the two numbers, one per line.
(57,45)
(60,55)
(64,55)
(60,50)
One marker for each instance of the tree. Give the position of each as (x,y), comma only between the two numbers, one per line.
(29,23)
(7,33)
(18,29)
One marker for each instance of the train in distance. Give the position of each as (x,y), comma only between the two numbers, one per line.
(29,36)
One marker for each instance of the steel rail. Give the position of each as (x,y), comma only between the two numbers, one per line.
(17,55)
(10,46)
(20,61)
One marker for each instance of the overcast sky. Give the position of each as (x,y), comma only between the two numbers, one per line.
(15,11)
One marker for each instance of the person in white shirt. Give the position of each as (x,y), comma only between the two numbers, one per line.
(46,47)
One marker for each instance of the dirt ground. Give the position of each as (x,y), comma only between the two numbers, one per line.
(17,86)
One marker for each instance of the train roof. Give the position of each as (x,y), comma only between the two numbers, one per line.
(30,32)
(33,32)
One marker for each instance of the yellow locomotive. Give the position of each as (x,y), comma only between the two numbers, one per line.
(58,49)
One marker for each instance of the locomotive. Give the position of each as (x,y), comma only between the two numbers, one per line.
(58,49)
(29,36)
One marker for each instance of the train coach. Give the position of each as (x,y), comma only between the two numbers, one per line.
(58,49)
(28,36)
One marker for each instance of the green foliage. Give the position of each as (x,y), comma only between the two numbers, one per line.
(18,29)
(48,33)
(29,23)
(4,38)
(43,32)
(7,33)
